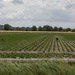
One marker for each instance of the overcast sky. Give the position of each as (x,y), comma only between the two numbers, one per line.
(38,12)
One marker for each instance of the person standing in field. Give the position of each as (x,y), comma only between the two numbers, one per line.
(57,39)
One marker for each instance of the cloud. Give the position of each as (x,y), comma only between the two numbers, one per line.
(37,11)
(7,0)
(17,1)
(70,6)
(13,1)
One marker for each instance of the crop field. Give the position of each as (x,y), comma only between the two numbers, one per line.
(36,53)
(36,45)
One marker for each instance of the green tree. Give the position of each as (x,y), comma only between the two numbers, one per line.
(17,28)
(60,29)
(73,30)
(23,28)
(34,28)
(47,28)
(55,28)
(7,27)
(68,29)
(40,28)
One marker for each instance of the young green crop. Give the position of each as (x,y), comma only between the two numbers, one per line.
(36,55)
(36,43)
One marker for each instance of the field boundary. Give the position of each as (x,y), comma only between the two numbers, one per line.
(36,52)
(39,59)
(36,31)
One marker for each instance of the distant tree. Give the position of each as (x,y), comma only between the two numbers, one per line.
(23,28)
(50,28)
(34,28)
(1,27)
(73,30)
(55,28)
(64,30)
(60,29)
(40,28)
(47,28)
(17,28)
(28,28)
(7,27)
(68,29)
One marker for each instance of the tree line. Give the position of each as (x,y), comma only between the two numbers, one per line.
(40,28)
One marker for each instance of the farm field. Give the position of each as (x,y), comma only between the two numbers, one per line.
(37,45)
(34,53)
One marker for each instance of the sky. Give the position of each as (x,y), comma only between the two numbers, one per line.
(25,13)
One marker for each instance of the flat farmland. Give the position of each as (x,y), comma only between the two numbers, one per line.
(37,45)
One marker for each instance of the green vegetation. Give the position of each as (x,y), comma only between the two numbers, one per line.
(16,41)
(68,36)
(35,28)
(38,55)
(37,68)
(37,45)
(31,41)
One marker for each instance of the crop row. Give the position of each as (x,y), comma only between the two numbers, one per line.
(51,45)
(42,44)
(36,55)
